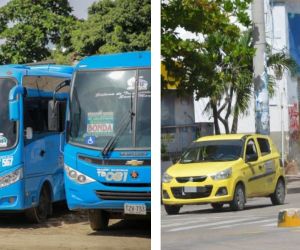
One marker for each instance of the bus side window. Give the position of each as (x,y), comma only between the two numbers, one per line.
(56,116)
(36,115)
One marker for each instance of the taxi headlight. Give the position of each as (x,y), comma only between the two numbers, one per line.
(11,177)
(166,178)
(225,174)
(76,176)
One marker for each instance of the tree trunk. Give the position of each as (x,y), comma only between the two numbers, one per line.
(215,115)
(235,121)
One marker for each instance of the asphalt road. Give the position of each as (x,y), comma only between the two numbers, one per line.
(199,227)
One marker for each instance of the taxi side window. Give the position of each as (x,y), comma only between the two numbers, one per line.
(251,152)
(264,146)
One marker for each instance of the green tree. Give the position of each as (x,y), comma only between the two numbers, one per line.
(210,64)
(28,28)
(114,26)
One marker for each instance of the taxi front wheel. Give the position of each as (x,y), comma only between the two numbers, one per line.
(172,209)
(239,200)
(278,196)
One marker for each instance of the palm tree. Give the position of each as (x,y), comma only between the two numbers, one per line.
(277,62)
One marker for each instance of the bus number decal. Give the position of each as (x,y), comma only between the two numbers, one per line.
(111,175)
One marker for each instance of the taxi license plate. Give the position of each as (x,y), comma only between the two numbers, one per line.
(135,209)
(190,189)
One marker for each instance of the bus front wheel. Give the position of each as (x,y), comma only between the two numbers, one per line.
(98,219)
(40,213)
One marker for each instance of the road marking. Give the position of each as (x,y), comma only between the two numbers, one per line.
(245,223)
(208,225)
(271,224)
(184,223)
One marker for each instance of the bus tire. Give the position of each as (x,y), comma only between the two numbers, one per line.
(98,219)
(41,212)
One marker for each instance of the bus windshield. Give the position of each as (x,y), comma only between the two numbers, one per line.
(105,102)
(8,134)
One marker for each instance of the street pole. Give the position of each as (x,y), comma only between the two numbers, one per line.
(262,116)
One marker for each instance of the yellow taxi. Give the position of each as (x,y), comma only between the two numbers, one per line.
(223,169)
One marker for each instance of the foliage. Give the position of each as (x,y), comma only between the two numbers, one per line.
(218,61)
(114,26)
(213,62)
(29,27)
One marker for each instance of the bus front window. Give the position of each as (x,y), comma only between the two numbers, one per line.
(105,102)
(8,134)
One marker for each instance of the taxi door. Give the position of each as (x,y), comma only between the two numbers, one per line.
(253,167)
(269,161)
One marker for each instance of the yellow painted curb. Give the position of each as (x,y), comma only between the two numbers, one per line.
(289,217)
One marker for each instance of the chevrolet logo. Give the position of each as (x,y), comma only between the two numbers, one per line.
(134,163)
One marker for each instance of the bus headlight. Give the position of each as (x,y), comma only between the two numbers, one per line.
(11,177)
(76,176)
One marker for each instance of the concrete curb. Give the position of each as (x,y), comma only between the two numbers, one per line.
(289,217)
(293,184)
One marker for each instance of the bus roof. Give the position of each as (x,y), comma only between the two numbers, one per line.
(119,60)
(63,71)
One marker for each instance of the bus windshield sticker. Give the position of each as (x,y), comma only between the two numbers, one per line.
(90,140)
(6,161)
(143,84)
(100,124)
(131,83)
(3,141)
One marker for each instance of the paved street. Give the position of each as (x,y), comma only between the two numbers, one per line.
(199,227)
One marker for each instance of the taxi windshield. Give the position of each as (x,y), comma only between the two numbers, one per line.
(219,150)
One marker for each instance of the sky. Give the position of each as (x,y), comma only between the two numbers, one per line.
(79,6)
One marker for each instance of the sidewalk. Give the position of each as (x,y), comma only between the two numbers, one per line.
(293,184)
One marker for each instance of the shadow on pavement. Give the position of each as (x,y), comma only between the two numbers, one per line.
(140,228)
(61,215)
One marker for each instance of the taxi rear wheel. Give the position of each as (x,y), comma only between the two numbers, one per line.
(217,206)
(239,200)
(278,196)
(172,209)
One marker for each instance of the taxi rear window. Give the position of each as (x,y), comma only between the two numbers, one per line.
(264,146)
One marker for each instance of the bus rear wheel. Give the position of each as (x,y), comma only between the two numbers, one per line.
(40,213)
(98,219)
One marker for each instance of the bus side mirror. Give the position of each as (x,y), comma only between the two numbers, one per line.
(53,116)
(14,103)
(14,110)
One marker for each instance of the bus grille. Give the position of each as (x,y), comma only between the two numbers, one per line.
(202,192)
(117,195)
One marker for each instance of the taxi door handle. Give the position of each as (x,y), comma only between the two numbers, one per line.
(260,167)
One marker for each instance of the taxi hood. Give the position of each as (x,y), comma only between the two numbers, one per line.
(200,168)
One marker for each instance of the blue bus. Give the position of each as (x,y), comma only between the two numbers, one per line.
(107,153)
(31,159)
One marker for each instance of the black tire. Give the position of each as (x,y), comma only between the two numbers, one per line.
(217,206)
(41,212)
(172,209)
(239,199)
(98,219)
(278,196)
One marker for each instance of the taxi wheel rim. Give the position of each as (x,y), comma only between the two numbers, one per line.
(280,191)
(240,198)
